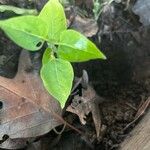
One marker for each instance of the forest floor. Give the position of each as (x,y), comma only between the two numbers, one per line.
(122,82)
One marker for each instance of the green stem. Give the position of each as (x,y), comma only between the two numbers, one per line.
(53,48)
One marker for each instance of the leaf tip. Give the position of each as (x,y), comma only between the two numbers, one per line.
(62,105)
(102,56)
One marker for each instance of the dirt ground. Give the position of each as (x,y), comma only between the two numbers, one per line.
(123,80)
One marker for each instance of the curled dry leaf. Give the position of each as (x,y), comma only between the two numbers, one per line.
(27,108)
(89,102)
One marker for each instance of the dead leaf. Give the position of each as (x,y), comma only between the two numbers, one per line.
(86,26)
(27,108)
(88,102)
(76,20)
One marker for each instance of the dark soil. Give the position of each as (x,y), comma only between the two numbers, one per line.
(123,79)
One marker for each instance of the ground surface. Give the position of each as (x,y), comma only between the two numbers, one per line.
(123,80)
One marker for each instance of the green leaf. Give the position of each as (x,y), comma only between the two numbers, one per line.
(17,10)
(46,56)
(57,76)
(53,14)
(28,32)
(75,47)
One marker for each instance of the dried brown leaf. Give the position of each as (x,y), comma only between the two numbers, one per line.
(28,109)
(86,26)
(82,106)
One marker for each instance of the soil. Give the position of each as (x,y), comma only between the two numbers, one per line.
(123,80)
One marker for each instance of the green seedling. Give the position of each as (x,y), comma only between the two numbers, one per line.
(64,46)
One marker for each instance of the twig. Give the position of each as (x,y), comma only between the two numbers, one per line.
(62,130)
(67,124)
(143,108)
(128,104)
(139,113)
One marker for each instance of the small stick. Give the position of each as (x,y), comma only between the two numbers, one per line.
(139,113)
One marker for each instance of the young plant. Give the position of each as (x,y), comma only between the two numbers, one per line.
(64,46)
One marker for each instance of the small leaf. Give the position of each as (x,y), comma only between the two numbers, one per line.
(46,56)
(57,76)
(53,14)
(17,10)
(28,32)
(75,47)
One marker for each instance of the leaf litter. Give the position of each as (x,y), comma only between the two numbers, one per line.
(27,108)
(87,103)
(110,134)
